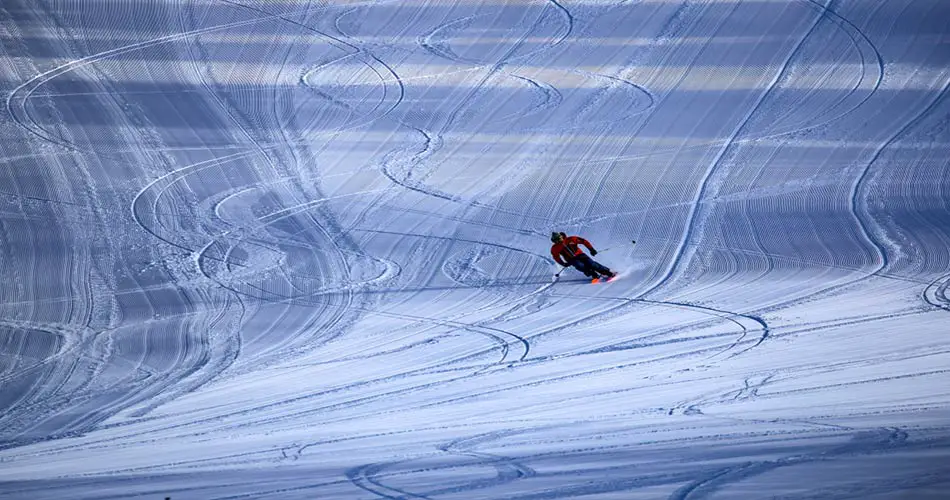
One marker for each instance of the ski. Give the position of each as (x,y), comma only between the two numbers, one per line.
(605,279)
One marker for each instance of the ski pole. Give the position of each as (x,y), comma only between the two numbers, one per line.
(608,248)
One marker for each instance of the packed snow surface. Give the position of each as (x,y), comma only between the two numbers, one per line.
(274,249)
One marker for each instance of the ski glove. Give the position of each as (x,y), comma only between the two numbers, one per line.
(593,253)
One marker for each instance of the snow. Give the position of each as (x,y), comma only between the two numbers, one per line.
(287,250)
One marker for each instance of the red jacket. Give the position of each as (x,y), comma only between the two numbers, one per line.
(569,248)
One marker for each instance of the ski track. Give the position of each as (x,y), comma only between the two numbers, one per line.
(340,276)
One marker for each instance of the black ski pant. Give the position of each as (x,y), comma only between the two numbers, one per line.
(589,266)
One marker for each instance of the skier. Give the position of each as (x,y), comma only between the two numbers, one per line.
(566,251)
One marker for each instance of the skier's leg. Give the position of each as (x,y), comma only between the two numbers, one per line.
(584,268)
(600,268)
(582,264)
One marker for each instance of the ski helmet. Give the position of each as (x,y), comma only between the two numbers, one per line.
(555,236)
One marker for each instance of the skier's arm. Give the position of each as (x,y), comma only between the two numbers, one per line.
(582,241)
(557,257)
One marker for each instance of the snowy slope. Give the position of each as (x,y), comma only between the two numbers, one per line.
(268,249)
